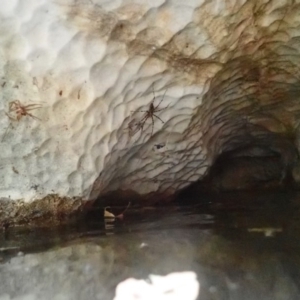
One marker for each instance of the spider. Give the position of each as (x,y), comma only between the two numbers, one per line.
(150,113)
(21,110)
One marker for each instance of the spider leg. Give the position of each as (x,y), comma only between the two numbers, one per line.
(141,126)
(152,125)
(144,118)
(143,121)
(157,110)
(153,92)
(161,100)
(33,117)
(133,111)
(161,109)
(158,118)
(33,106)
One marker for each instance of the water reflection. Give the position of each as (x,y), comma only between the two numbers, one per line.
(240,247)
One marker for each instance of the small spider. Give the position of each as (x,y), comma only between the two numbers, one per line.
(150,113)
(20,110)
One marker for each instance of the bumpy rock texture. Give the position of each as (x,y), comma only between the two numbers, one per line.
(78,78)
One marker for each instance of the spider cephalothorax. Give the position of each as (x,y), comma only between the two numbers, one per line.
(136,126)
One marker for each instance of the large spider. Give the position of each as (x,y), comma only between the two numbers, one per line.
(134,126)
(21,110)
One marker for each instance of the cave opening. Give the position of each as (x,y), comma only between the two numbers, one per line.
(264,164)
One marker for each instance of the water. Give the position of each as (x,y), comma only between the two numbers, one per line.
(241,246)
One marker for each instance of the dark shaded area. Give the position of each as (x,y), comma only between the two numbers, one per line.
(260,163)
(122,198)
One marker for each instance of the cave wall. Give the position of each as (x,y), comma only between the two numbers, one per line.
(78,76)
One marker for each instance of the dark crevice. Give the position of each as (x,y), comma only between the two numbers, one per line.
(253,161)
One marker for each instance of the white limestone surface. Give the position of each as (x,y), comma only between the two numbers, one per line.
(75,74)
(74,61)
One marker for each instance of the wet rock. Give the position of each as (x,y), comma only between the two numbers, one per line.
(86,101)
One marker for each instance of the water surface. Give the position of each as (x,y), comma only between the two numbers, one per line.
(241,246)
